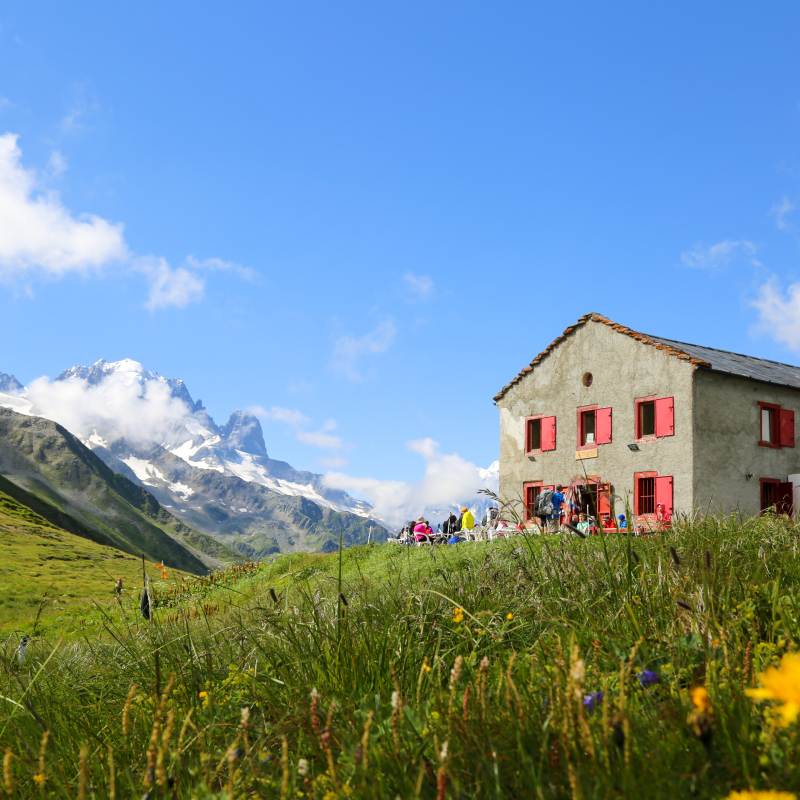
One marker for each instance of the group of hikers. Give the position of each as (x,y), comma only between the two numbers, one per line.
(553,513)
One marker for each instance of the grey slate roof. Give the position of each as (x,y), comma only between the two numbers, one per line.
(757,369)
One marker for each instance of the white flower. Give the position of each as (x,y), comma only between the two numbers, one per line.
(395,700)
(302,767)
(314,693)
(443,754)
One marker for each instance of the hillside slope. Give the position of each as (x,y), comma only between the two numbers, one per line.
(50,574)
(46,461)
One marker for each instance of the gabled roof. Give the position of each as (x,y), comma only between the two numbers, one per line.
(757,369)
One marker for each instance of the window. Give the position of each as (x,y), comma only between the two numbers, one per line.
(647,496)
(775,426)
(587,428)
(655,418)
(530,493)
(647,419)
(534,435)
(540,434)
(769,493)
(594,427)
(651,490)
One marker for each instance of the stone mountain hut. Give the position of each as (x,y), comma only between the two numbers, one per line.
(651,420)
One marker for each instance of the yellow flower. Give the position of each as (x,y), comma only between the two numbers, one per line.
(509,617)
(768,794)
(700,698)
(427,668)
(203,694)
(781,684)
(459,615)
(39,778)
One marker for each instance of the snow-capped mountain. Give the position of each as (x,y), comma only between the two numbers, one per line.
(236,448)
(218,479)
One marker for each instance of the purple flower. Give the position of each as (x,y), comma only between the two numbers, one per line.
(592,701)
(647,678)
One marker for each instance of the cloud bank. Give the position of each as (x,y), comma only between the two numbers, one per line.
(448,480)
(39,236)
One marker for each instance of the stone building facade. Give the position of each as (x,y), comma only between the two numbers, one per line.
(632,420)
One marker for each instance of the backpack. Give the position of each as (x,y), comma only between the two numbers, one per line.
(544,503)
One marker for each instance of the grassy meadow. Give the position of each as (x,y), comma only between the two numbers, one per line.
(52,579)
(546,667)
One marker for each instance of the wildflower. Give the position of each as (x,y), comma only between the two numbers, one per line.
(700,698)
(647,678)
(426,668)
(39,778)
(781,684)
(592,701)
(302,767)
(395,700)
(485,662)
(458,615)
(203,694)
(455,673)
(578,670)
(509,617)
(443,754)
(768,794)
(314,693)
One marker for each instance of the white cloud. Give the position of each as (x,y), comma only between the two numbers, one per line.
(57,163)
(779,314)
(168,286)
(349,350)
(320,439)
(289,415)
(300,422)
(334,461)
(717,255)
(448,479)
(217,264)
(780,210)
(118,407)
(39,234)
(420,286)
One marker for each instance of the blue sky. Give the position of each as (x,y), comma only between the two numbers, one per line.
(371,215)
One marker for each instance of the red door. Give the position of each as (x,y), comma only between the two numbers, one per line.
(664,492)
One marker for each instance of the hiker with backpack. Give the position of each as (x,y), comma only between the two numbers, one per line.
(548,507)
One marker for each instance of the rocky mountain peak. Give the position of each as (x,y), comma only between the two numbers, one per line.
(243,432)
(10,385)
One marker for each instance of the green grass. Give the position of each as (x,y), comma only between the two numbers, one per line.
(414,698)
(52,579)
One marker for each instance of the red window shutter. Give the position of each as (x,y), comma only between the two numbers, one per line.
(548,433)
(602,426)
(664,492)
(665,416)
(603,502)
(787,428)
(785,499)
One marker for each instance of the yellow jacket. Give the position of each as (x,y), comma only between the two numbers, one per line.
(468,521)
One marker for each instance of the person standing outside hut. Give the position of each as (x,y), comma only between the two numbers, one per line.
(559,502)
(467,519)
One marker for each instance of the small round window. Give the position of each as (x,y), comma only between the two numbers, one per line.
(587,379)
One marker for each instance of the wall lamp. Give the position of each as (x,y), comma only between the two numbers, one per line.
(531,458)
(634,447)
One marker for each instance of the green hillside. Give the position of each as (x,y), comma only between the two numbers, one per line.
(46,468)
(540,666)
(53,576)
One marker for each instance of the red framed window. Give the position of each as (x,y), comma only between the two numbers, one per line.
(775,426)
(594,427)
(649,490)
(540,434)
(655,418)
(769,493)
(530,491)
